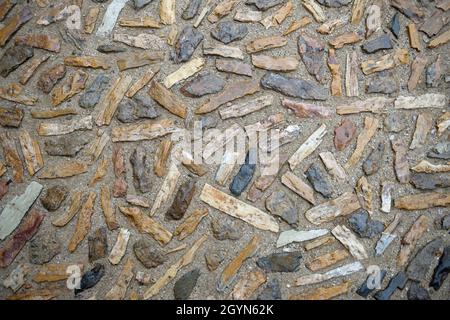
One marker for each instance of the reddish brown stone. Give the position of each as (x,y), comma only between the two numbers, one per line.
(40,41)
(13,24)
(343,134)
(48,79)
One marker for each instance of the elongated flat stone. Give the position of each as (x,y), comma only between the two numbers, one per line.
(382,42)
(342,271)
(74,84)
(422,201)
(16,209)
(221,10)
(223,51)
(233,66)
(409,9)
(373,162)
(185,71)
(280,262)
(401,164)
(64,127)
(332,166)
(27,229)
(330,25)
(327,260)
(40,41)
(308,147)
(31,67)
(238,209)
(145,41)
(293,87)
(373,19)
(242,109)
(13,57)
(31,152)
(290,236)
(203,84)
(278,16)
(11,117)
(426,181)
(424,124)
(373,105)
(298,186)
(74,207)
(265,43)
(328,211)
(349,240)
(119,289)
(324,293)
(345,39)
(64,169)
(247,15)
(94,91)
(83,223)
(187,42)
(141,176)
(275,63)
(120,246)
(16,93)
(312,52)
(386,62)
(98,245)
(137,60)
(233,91)
(343,134)
(14,23)
(351,75)
(429,100)
(49,78)
(244,176)
(167,99)
(316,10)
(411,238)
(110,17)
(189,225)
(248,284)
(5,8)
(370,128)
(264,5)
(12,156)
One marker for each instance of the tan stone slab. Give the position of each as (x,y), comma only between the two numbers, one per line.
(142,82)
(424,124)
(84,222)
(52,272)
(120,247)
(411,238)
(31,152)
(16,93)
(324,293)
(328,211)
(119,289)
(316,10)
(167,99)
(12,156)
(167,189)
(327,260)
(31,67)
(161,156)
(297,185)
(74,207)
(265,43)
(49,114)
(350,241)
(64,127)
(90,19)
(248,284)
(72,85)
(63,169)
(222,9)
(422,201)
(144,130)
(187,70)
(140,22)
(167,11)
(370,128)
(308,147)
(189,225)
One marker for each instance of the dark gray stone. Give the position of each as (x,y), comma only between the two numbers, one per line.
(442,269)
(203,84)
(383,42)
(129,111)
(229,31)
(54,197)
(264,5)
(13,57)
(67,145)
(293,87)
(139,4)
(149,254)
(280,262)
(141,170)
(312,52)
(440,151)
(365,227)
(395,25)
(92,94)
(420,265)
(98,245)
(184,286)
(427,181)
(191,9)
(91,278)
(271,291)
(182,200)
(319,180)
(446,222)
(416,292)
(382,82)
(110,48)
(279,204)
(370,284)
(374,160)
(334,3)
(223,229)
(44,247)
(397,282)
(188,40)
(244,176)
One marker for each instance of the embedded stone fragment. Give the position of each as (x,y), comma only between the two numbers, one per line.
(86,62)
(144,130)
(246,15)
(129,111)
(428,100)
(11,117)
(13,57)
(143,22)
(145,41)
(225,230)
(16,93)
(349,240)
(417,68)
(370,127)
(190,224)
(422,201)
(27,229)
(31,68)
(324,293)
(382,82)
(167,188)
(15,210)
(297,24)
(364,193)
(280,262)
(233,91)
(386,198)
(145,224)
(308,147)
(222,9)
(351,75)
(54,272)
(54,197)
(161,157)
(16,278)
(265,43)
(409,9)
(84,222)
(5,7)
(191,9)
(395,25)
(332,166)
(228,31)
(141,176)
(31,152)
(440,151)
(49,114)
(342,271)
(280,138)
(188,40)
(319,180)
(278,16)
(247,285)
(275,63)
(120,247)
(397,282)
(91,277)
(373,19)
(182,200)
(90,19)
(203,84)
(264,5)
(4,187)
(34,294)
(39,41)
(334,3)
(424,124)
(293,87)
(185,71)
(442,269)
(11,156)
(335,70)
(110,17)
(382,42)
(244,176)
(434,72)
(414,40)
(171,273)
(233,66)
(49,78)
(137,60)
(74,207)
(290,236)
(98,245)
(74,84)
(142,82)
(119,289)
(365,227)
(421,264)
(416,292)
(167,99)
(330,25)
(242,109)
(63,169)
(213,260)
(328,211)
(315,10)
(43,247)
(388,61)
(94,91)
(401,164)
(14,23)
(344,39)
(279,204)
(327,260)
(343,134)
(184,286)
(148,254)
(373,162)
(167,11)
(411,238)
(427,167)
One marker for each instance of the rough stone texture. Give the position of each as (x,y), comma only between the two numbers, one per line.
(271,291)
(374,161)
(365,227)
(319,180)
(382,82)
(313,56)
(244,176)
(54,197)
(91,278)
(67,145)
(416,292)
(182,200)
(191,9)
(91,96)
(344,134)
(281,205)
(142,178)
(185,285)
(188,40)
(228,31)
(280,262)
(203,84)
(44,247)
(13,57)
(382,42)
(148,253)
(98,245)
(129,111)
(225,230)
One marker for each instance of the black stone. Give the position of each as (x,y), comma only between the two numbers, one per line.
(264,5)
(397,282)
(442,269)
(91,278)
(374,160)
(13,57)
(191,9)
(383,42)
(280,262)
(110,48)
(139,4)
(319,180)
(425,181)
(292,87)
(395,25)
(420,265)
(244,176)
(141,172)
(371,282)
(185,285)
(365,227)
(92,94)
(203,84)
(229,31)
(271,291)
(187,42)
(382,82)
(334,3)
(128,111)
(416,292)
(440,151)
